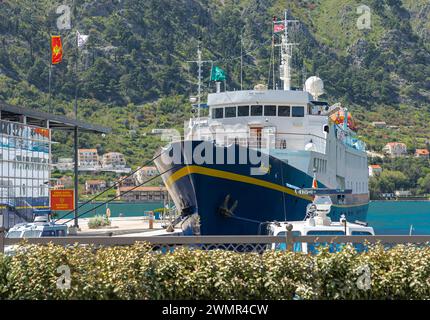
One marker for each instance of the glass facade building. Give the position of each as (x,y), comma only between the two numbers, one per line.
(24,171)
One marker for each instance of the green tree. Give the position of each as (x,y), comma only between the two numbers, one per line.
(424,183)
(374,187)
(389,181)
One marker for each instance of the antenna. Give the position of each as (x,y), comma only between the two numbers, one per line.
(286,54)
(303,75)
(199,62)
(241,62)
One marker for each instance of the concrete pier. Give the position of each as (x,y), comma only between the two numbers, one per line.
(119,226)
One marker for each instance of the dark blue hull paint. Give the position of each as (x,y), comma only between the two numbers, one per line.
(204,194)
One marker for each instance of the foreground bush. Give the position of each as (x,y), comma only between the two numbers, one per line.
(137,272)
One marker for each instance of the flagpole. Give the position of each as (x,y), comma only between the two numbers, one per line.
(49,77)
(77,79)
(49,85)
(75,156)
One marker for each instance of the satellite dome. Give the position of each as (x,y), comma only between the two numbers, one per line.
(315,86)
(310,146)
(260,87)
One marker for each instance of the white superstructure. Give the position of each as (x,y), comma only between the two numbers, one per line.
(291,125)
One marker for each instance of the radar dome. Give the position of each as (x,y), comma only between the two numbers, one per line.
(315,86)
(260,87)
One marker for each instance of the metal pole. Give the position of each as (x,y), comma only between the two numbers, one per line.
(199,63)
(2,233)
(290,240)
(49,85)
(76,178)
(241,62)
(286,57)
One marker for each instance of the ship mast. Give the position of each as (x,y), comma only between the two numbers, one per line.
(286,54)
(199,85)
(199,62)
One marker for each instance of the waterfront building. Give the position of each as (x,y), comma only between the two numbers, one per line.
(393,127)
(88,160)
(374,169)
(127,181)
(402,193)
(144,193)
(145,173)
(395,149)
(25,160)
(64,182)
(113,160)
(24,183)
(422,153)
(64,164)
(379,124)
(94,186)
(58,186)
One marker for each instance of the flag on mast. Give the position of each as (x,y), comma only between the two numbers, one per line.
(314,181)
(81,39)
(217,74)
(278,26)
(56,50)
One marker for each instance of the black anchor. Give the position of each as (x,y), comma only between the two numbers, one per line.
(224,210)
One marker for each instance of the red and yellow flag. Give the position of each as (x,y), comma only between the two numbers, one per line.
(56,49)
(315,182)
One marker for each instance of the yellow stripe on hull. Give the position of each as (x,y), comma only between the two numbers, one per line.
(192,169)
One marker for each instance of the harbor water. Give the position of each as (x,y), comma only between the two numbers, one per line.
(117,209)
(397,217)
(386,217)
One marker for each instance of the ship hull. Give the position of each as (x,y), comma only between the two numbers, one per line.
(229,200)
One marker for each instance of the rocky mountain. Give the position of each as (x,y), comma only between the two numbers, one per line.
(133,73)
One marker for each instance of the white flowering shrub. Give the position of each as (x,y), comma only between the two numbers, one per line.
(138,272)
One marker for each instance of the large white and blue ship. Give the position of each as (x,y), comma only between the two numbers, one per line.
(241,166)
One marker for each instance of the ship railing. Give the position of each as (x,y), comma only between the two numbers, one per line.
(350,139)
(288,141)
(252,243)
(298,141)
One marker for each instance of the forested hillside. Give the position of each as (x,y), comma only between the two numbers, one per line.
(133,73)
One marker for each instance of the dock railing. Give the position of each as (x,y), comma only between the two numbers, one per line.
(235,243)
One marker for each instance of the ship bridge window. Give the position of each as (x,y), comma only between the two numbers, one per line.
(298,111)
(230,112)
(243,111)
(270,111)
(315,110)
(284,111)
(218,113)
(256,110)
